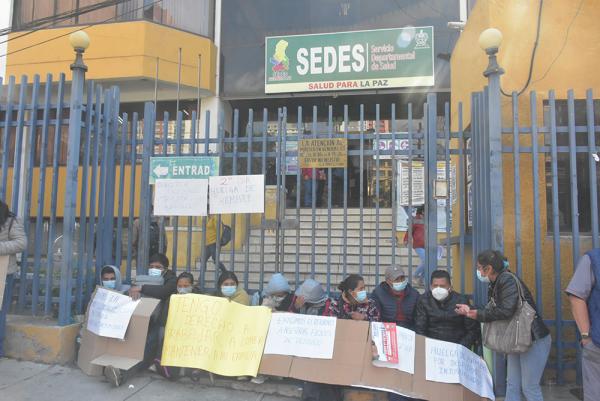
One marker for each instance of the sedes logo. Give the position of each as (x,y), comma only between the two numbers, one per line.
(280,63)
(422,40)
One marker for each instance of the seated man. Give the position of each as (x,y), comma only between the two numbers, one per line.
(110,278)
(435,316)
(396,298)
(158,266)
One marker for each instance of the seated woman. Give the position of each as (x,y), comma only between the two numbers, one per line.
(311,299)
(277,295)
(353,303)
(228,287)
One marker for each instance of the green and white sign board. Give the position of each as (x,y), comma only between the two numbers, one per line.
(375,59)
(183,167)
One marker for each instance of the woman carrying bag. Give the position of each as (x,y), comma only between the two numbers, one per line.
(12,241)
(512,326)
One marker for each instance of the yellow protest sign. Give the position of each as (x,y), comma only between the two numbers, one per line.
(215,334)
(323,153)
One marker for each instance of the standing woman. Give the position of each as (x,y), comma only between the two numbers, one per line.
(12,241)
(524,370)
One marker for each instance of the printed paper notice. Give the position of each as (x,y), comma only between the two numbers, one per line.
(214,334)
(404,344)
(110,313)
(447,362)
(237,194)
(383,336)
(301,335)
(180,197)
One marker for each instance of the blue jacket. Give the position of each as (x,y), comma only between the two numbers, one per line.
(594,299)
(387,303)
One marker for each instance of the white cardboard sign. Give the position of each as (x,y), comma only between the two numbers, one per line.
(301,335)
(110,313)
(452,363)
(181,197)
(237,194)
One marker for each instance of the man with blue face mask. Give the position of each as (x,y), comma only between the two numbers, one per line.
(396,298)
(110,278)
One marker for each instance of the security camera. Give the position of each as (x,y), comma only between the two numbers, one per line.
(458,25)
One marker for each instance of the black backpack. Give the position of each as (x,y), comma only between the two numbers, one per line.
(154,239)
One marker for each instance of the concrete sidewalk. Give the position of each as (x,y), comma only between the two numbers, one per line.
(28,381)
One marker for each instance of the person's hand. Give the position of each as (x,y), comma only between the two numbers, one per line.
(135,293)
(462,309)
(585,341)
(299,302)
(358,316)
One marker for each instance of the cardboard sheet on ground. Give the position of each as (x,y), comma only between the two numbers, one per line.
(3,272)
(452,363)
(109,313)
(215,334)
(181,197)
(96,351)
(352,365)
(301,335)
(237,194)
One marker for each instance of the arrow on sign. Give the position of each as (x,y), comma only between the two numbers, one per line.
(161,171)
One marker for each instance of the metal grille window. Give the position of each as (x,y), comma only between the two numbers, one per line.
(583,172)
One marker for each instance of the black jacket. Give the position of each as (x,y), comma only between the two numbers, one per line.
(438,320)
(387,304)
(162,292)
(506,295)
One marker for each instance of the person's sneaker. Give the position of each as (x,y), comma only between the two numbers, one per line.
(260,379)
(242,378)
(113,375)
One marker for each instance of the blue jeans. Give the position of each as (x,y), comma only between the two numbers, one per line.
(8,289)
(524,371)
(421,268)
(307,196)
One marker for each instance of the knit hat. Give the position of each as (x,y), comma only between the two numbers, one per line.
(312,291)
(395,271)
(278,283)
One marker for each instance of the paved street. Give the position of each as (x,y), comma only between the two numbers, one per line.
(27,381)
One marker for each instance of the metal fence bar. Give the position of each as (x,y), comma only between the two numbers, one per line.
(314,199)
(165,151)
(377,190)
(362,186)
(219,226)
(536,203)
(132,172)
(236,127)
(265,121)
(345,239)
(409,244)
(113,123)
(203,258)
(448,184)
(431,223)
(16,178)
(283,191)
(393,185)
(6,139)
(573,176)
(101,226)
(39,218)
(54,195)
(461,196)
(556,236)
(175,221)
(329,178)
(81,257)
(299,193)
(123,145)
(589,106)
(250,139)
(517,181)
(145,191)
(28,163)
(190,221)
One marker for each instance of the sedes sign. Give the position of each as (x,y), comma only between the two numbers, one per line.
(375,59)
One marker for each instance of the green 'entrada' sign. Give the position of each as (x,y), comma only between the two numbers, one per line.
(183,167)
(376,59)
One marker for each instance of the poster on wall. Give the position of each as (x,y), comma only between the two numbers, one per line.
(371,59)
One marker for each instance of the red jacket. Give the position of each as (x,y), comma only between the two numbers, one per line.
(418,233)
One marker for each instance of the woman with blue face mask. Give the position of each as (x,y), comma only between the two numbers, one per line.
(354,303)
(229,287)
(524,371)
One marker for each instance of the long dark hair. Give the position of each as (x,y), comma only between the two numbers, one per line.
(493,258)
(224,276)
(350,283)
(5,214)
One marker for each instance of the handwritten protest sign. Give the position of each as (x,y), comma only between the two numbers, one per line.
(214,334)
(3,272)
(110,313)
(237,194)
(452,363)
(301,335)
(323,153)
(181,197)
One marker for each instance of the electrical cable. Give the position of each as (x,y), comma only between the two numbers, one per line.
(79,28)
(533,52)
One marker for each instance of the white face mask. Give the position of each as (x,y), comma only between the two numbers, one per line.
(440,293)
(184,290)
(154,272)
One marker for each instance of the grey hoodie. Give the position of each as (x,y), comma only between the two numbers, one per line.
(119,286)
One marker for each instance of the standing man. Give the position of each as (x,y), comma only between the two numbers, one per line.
(584,295)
